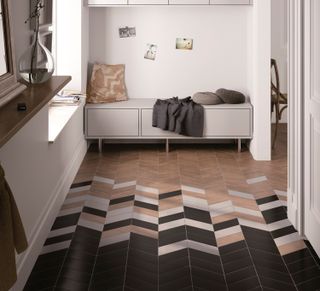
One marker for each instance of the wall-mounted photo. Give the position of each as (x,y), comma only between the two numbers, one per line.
(184,43)
(127,32)
(151,52)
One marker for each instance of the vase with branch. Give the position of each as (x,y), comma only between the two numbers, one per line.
(36,65)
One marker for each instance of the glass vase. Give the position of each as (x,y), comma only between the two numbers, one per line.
(36,65)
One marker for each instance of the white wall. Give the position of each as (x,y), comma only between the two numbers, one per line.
(72,42)
(279,44)
(21,30)
(40,175)
(219,58)
(261,53)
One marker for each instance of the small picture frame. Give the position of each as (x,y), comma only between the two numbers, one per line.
(125,32)
(184,43)
(151,52)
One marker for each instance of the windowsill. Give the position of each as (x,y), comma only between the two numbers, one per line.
(59,117)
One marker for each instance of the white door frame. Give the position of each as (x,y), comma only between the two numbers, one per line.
(295,120)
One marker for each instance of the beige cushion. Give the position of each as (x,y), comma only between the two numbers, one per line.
(206,98)
(107,84)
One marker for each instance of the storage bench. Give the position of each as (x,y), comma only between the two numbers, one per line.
(132,119)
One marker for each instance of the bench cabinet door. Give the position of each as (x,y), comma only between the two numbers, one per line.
(98,3)
(227,123)
(147,130)
(231,2)
(148,2)
(112,122)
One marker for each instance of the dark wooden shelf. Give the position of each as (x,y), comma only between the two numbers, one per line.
(36,97)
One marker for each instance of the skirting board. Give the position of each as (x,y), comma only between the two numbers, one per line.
(26,261)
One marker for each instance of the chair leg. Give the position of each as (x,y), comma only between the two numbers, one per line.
(276,126)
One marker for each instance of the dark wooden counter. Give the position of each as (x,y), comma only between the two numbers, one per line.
(36,97)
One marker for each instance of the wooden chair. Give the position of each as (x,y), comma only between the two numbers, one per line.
(277,98)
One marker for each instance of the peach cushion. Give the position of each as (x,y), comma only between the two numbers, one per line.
(107,84)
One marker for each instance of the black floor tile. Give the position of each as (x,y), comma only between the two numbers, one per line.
(117,224)
(200,235)
(206,265)
(237,265)
(267,199)
(143,275)
(241,254)
(283,231)
(145,244)
(206,284)
(170,194)
(297,256)
(207,275)
(133,282)
(198,215)
(173,235)
(40,283)
(65,221)
(171,275)
(311,285)
(275,214)
(94,211)
(275,275)
(81,184)
(276,285)
(172,217)
(146,205)
(305,263)
(232,247)
(107,283)
(245,284)
(121,200)
(204,256)
(144,224)
(67,283)
(76,275)
(176,284)
(58,239)
(226,224)
(112,248)
(173,265)
(306,275)
(240,275)
(313,252)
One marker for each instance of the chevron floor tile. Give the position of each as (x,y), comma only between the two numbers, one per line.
(202,217)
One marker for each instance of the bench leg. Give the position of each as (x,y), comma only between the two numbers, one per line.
(239,145)
(167,146)
(100,143)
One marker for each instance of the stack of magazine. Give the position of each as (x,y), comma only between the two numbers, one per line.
(67,98)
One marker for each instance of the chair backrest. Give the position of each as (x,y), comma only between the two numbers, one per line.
(275,84)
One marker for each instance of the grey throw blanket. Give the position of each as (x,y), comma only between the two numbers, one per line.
(182,116)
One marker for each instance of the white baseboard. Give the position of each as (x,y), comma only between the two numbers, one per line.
(40,232)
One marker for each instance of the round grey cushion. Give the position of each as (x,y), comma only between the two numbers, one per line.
(206,98)
(230,96)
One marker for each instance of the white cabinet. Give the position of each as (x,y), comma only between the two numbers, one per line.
(230,2)
(94,3)
(147,130)
(106,3)
(133,118)
(189,2)
(227,122)
(148,2)
(106,122)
